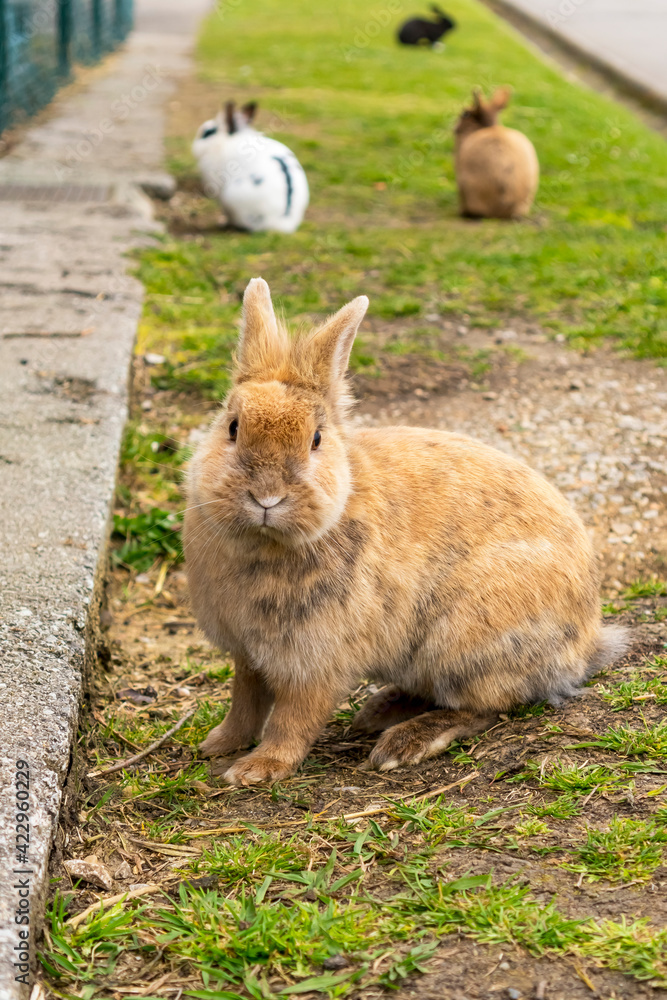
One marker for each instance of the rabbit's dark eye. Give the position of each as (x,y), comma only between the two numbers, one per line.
(233,428)
(317,437)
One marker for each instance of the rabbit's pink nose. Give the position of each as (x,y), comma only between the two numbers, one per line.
(266,502)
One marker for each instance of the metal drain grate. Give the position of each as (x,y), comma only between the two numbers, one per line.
(54,192)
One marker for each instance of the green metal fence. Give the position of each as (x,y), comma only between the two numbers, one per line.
(40,40)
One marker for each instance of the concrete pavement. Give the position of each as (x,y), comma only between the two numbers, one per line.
(625,37)
(70,209)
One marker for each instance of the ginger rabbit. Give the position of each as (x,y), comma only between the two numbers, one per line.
(319,554)
(497,170)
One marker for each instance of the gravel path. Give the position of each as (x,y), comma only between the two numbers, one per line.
(595,425)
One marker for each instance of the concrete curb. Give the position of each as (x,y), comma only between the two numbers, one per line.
(64,409)
(71,208)
(616,74)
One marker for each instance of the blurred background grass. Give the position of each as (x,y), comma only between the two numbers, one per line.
(372,123)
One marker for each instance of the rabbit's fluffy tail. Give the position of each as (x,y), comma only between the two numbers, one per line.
(614,641)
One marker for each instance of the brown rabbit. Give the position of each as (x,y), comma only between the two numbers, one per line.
(320,554)
(497,170)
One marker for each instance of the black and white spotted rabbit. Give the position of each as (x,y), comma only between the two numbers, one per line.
(258,181)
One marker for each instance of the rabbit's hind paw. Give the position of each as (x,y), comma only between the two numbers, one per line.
(424,736)
(387,708)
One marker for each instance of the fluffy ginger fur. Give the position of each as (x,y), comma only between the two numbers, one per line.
(497,170)
(320,554)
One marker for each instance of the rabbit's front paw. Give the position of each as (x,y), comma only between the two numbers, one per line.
(223,740)
(257,769)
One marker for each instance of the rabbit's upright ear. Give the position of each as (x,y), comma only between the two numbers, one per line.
(332,343)
(478,102)
(261,343)
(249,111)
(501,98)
(230,119)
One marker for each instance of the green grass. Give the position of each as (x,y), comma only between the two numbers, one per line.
(176,790)
(651,587)
(531,828)
(251,942)
(564,806)
(149,537)
(626,741)
(155,462)
(613,609)
(372,125)
(630,850)
(244,860)
(636,691)
(88,955)
(141,729)
(572,779)
(149,530)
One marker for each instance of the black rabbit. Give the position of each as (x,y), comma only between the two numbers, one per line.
(419,31)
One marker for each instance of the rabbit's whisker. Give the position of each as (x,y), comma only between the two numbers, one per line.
(195,506)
